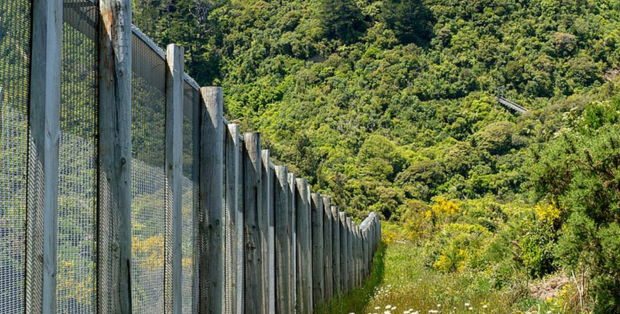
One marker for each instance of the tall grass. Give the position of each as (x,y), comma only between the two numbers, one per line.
(400,283)
(356,300)
(408,284)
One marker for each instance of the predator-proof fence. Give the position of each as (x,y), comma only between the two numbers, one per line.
(123,188)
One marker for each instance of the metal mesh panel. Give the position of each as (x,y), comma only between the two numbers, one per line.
(190,198)
(77,161)
(148,179)
(14,77)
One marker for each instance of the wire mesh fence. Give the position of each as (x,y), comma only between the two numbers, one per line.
(191,115)
(15,23)
(148,178)
(77,184)
(88,233)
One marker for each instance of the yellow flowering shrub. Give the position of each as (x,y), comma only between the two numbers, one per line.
(452,260)
(548,214)
(443,206)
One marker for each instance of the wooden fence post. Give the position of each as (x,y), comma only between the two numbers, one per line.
(240,224)
(282,241)
(366,230)
(328,248)
(234,232)
(354,269)
(378,230)
(293,216)
(44,124)
(318,253)
(336,249)
(253,211)
(364,254)
(304,259)
(211,269)
(267,233)
(350,265)
(360,253)
(344,267)
(174,175)
(354,255)
(114,195)
(358,256)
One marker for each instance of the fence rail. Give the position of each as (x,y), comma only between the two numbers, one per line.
(124,190)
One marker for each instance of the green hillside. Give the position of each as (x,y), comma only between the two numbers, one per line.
(389,106)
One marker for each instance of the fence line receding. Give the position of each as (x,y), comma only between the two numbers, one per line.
(123,188)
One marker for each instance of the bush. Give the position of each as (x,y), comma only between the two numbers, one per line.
(589,193)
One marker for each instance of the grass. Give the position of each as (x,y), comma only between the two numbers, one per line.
(401,283)
(409,285)
(356,300)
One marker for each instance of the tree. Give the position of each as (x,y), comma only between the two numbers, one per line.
(409,20)
(342,20)
(581,172)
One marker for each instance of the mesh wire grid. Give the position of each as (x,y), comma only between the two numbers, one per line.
(190,197)
(78,161)
(148,178)
(15,31)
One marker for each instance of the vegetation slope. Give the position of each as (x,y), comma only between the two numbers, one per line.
(389,106)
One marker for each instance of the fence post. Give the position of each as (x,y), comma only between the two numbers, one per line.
(253,209)
(211,202)
(44,124)
(240,224)
(293,235)
(304,261)
(358,256)
(353,255)
(364,254)
(318,253)
(271,240)
(349,253)
(174,163)
(328,247)
(354,269)
(267,233)
(234,276)
(378,230)
(114,195)
(336,249)
(282,241)
(344,271)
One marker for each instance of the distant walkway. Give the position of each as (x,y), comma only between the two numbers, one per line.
(511,105)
